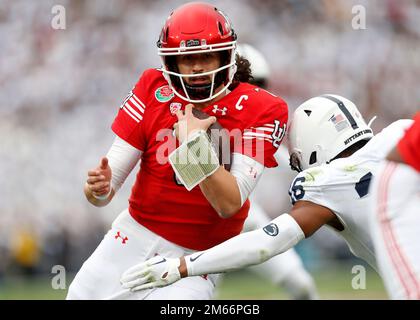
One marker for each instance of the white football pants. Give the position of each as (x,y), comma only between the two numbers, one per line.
(126,244)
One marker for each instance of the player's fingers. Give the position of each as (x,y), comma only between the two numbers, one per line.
(209,121)
(100,186)
(180,115)
(101,192)
(94,172)
(94,179)
(145,286)
(188,109)
(128,279)
(176,130)
(104,163)
(135,271)
(136,282)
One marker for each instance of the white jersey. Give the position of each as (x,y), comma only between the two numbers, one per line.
(342,186)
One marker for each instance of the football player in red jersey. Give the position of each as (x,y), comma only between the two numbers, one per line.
(164,217)
(395,218)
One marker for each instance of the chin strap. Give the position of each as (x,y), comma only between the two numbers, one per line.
(371,121)
(198,92)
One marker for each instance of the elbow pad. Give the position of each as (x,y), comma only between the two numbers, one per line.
(247,173)
(122,159)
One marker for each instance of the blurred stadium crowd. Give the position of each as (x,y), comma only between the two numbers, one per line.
(60,90)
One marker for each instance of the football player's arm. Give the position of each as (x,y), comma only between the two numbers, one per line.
(257,246)
(227,191)
(106,179)
(246,249)
(407,150)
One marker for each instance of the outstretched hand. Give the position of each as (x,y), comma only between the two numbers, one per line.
(155,272)
(99,179)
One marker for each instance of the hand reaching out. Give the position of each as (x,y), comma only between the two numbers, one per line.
(155,272)
(99,179)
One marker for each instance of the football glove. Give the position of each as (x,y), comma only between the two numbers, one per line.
(155,272)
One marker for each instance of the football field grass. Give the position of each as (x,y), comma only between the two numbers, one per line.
(332,283)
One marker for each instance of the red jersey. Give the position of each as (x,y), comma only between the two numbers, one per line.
(409,145)
(158,201)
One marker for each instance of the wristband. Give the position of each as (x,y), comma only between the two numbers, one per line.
(194,160)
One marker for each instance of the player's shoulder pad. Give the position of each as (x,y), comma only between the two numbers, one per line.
(324,176)
(150,78)
(262,98)
(308,183)
(316,176)
(398,126)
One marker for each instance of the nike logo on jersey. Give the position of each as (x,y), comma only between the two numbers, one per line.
(161,261)
(192,259)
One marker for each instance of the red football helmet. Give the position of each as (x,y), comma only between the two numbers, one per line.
(197,28)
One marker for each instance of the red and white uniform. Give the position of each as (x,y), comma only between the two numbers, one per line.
(395,218)
(409,146)
(158,201)
(163,217)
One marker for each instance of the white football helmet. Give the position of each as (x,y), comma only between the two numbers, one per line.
(323,127)
(259,65)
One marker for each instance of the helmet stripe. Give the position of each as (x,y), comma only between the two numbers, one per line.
(343,109)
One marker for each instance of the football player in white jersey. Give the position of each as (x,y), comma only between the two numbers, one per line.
(285,270)
(395,216)
(337,154)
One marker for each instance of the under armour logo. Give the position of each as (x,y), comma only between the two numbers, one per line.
(118,235)
(216,109)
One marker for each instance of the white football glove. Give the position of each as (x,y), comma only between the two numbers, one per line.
(155,272)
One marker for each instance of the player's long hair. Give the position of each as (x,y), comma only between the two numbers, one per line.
(243,73)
